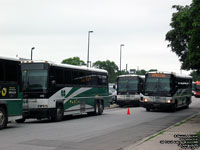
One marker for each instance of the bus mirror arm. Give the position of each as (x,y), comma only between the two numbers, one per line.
(53,83)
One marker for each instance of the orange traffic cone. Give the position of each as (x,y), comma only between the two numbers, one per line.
(128,112)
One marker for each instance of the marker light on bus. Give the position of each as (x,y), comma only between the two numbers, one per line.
(145,100)
(42,106)
(168,101)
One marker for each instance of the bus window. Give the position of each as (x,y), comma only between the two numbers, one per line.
(11,71)
(1,70)
(59,77)
(75,76)
(68,77)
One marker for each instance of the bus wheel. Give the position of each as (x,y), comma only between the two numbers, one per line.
(147,109)
(3,118)
(121,105)
(188,101)
(96,109)
(174,107)
(59,114)
(100,110)
(22,120)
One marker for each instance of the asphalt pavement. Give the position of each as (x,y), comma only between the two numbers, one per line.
(114,130)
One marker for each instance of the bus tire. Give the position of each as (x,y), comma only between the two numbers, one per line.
(96,109)
(100,110)
(3,118)
(22,120)
(174,107)
(58,116)
(121,105)
(147,109)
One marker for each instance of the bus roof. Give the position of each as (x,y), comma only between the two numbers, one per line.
(68,66)
(9,58)
(130,75)
(172,73)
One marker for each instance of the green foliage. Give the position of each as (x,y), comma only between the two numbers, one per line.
(195,75)
(74,61)
(122,72)
(110,66)
(152,70)
(184,38)
(141,72)
(198,135)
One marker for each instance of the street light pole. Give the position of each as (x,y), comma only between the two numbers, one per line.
(32,52)
(121,55)
(88,61)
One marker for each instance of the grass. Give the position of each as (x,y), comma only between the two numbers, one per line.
(198,134)
(159,133)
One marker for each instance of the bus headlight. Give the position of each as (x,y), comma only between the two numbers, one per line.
(168,101)
(145,100)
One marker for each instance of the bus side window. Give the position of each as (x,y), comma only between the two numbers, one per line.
(83,78)
(75,76)
(59,77)
(94,80)
(1,71)
(11,71)
(68,77)
(102,80)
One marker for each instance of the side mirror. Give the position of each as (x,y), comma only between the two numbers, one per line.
(53,83)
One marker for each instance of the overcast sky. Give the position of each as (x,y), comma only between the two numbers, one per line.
(58,29)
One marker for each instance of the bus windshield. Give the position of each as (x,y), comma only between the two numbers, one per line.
(34,80)
(128,85)
(157,87)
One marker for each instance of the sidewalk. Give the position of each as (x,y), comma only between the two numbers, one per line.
(183,133)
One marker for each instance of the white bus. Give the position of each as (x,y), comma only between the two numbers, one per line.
(54,90)
(129,88)
(164,90)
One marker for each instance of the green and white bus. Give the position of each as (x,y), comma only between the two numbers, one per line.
(129,89)
(164,90)
(10,95)
(54,90)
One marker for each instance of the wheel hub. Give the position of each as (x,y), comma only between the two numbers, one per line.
(1,118)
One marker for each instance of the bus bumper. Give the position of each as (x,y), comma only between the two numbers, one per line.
(39,113)
(128,102)
(150,105)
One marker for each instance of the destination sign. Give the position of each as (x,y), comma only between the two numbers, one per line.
(158,75)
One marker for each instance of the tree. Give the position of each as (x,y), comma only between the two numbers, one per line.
(110,66)
(195,76)
(141,72)
(74,61)
(184,37)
